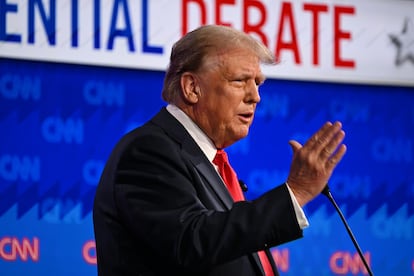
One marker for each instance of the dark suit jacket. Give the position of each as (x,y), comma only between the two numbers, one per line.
(162,209)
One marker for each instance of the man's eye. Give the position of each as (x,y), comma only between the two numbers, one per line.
(259,82)
(237,82)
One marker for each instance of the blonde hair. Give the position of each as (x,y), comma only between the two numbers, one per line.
(189,53)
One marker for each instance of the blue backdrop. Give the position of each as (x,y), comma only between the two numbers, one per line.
(59,122)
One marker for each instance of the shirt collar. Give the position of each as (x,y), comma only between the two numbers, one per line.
(202,140)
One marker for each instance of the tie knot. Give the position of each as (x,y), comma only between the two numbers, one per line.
(220,158)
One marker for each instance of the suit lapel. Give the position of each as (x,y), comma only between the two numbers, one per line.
(190,148)
(215,182)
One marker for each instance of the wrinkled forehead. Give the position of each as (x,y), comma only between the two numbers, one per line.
(236,62)
(225,57)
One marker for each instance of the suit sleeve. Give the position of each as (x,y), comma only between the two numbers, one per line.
(156,195)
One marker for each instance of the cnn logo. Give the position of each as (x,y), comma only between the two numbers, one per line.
(13,249)
(343,262)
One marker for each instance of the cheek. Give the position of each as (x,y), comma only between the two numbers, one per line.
(227,112)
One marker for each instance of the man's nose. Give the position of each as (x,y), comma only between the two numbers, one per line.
(252,93)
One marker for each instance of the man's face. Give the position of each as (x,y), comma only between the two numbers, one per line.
(228,85)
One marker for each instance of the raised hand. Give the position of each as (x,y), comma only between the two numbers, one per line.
(313,163)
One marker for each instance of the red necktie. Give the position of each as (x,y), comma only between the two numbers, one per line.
(230,179)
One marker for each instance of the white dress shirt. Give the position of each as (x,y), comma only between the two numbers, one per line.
(209,149)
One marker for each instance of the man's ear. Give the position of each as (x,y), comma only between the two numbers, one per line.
(190,87)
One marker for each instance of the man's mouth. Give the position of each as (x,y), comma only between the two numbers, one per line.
(246,116)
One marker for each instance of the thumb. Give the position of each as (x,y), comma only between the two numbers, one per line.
(295,146)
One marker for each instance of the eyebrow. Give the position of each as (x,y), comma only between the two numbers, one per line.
(261,77)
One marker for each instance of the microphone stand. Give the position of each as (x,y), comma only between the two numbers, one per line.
(326,191)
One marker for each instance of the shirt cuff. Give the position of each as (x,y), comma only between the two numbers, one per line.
(300,215)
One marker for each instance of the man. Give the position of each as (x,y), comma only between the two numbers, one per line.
(161,207)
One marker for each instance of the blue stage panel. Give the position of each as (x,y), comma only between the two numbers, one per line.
(59,123)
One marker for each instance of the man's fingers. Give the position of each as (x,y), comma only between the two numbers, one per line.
(316,138)
(321,140)
(336,158)
(329,149)
(295,146)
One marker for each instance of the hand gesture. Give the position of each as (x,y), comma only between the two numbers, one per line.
(313,163)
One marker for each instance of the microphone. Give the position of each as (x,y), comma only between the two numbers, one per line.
(326,191)
(243,185)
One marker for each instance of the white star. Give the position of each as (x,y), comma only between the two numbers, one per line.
(404,43)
